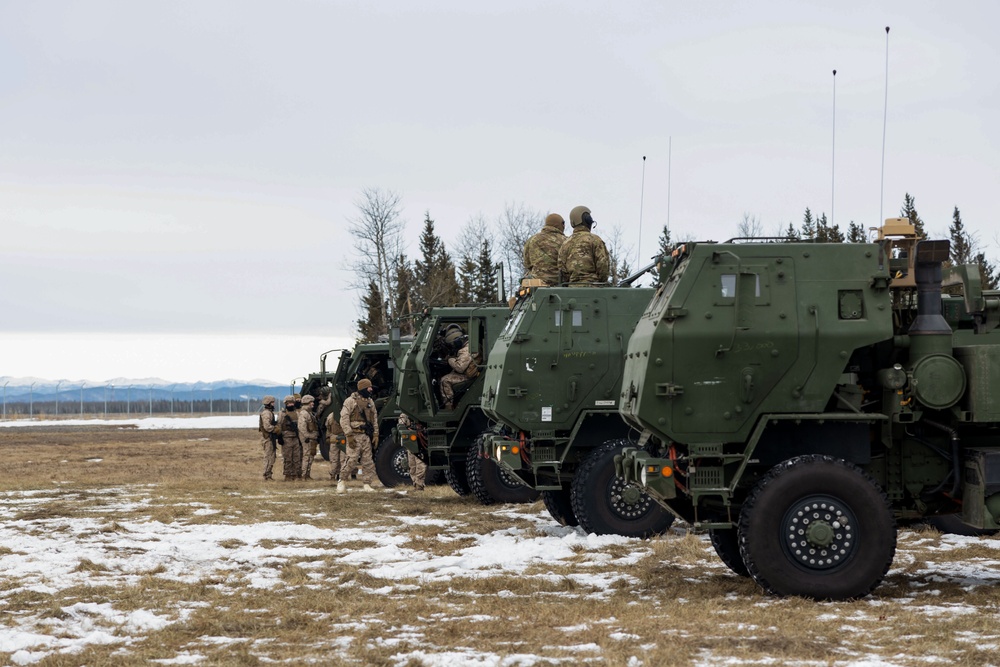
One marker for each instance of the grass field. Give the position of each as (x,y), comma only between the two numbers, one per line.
(128,547)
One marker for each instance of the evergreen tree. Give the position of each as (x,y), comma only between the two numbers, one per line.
(372,326)
(808,226)
(987,271)
(467,279)
(909,211)
(961,243)
(791,234)
(403,299)
(822,229)
(484,286)
(856,233)
(666,245)
(434,272)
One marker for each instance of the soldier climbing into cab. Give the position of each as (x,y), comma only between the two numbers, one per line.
(583,258)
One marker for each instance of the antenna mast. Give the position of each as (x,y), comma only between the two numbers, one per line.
(642,192)
(670,145)
(833,153)
(885,115)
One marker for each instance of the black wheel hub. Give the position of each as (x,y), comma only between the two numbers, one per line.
(820,533)
(628,501)
(507,479)
(401,463)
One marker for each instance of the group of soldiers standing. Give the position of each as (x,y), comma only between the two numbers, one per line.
(549,256)
(296,431)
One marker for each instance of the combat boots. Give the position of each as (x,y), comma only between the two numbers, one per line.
(341,487)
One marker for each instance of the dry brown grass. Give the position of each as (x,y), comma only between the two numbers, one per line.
(666,601)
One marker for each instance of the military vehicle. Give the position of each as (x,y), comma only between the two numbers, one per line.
(800,399)
(370,360)
(552,384)
(448,438)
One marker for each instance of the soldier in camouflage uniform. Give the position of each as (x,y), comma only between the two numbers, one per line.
(584,257)
(291,451)
(463,366)
(418,469)
(541,252)
(359,420)
(337,455)
(268,434)
(308,434)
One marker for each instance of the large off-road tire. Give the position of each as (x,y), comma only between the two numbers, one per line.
(458,478)
(818,527)
(727,546)
(491,484)
(605,505)
(560,506)
(391,463)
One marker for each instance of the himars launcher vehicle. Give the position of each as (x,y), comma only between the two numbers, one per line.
(447,437)
(803,398)
(553,381)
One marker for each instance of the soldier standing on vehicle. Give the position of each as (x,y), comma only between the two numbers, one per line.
(418,468)
(359,420)
(337,455)
(541,252)
(291,451)
(308,434)
(584,257)
(463,366)
(268,434)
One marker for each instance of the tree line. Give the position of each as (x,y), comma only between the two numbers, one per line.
(392,286)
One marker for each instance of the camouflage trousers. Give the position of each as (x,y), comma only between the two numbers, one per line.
(268,447)
(448,383)
(291,454)
(359,453)
(418,470)
(308,454)
(336,462)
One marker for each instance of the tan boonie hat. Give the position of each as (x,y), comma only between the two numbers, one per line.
(308,399)
(554,220)
(267,400)
(364,383)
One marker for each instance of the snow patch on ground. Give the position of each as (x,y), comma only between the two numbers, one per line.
(146,423)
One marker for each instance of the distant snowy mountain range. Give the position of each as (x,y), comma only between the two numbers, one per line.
(25,388)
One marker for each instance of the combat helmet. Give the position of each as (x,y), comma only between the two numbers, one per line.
(577,219)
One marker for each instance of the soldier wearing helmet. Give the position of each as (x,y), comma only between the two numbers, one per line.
(269,434)
(359,420)
(291,451)
(541,252)
(463,366)
(584,257)
(308,434)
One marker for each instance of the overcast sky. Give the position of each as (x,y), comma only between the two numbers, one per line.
(188,168)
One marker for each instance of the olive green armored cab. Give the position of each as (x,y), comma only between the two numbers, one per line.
(553,382)
(371,360)
(797,400)
(447,438)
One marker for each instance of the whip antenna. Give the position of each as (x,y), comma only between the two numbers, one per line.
(670,145)
(885,115)
(833,151)
(642,192)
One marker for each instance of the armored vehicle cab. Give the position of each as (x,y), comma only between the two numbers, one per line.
(445,437)
(370,360)
(552,382)
(802,398)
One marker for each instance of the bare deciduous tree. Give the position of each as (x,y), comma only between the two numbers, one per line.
(515,226)
(618,255)
(377,232)
(750,227)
